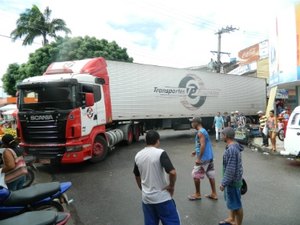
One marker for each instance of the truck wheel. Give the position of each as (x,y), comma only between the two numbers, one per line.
(100,149)
(137,133)
(129,135)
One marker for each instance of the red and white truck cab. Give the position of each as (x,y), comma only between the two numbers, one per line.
(67,116)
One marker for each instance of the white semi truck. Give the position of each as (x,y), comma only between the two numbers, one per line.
(79,110)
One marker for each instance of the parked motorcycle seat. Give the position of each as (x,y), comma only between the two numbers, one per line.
(32,218)
(32,194)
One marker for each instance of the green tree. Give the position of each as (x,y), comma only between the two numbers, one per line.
(10,79)
(63,49)
(33,23)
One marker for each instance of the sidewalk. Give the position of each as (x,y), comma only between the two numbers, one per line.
(257,143)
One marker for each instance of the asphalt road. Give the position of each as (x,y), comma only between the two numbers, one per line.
(106,193)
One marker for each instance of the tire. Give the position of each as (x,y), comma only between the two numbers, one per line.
(100,149)
(130,136)
(30,176)
(50,206)
(280,134)
(137,133)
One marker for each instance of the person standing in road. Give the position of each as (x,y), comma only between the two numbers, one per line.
(218,125)
(232,120)
(232,177)
(151,163)
(272,127)
(227,120)
(204,160)
(262,123)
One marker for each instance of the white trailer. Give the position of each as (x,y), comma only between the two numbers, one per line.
(141,91)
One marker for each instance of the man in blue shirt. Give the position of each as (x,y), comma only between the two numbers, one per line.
(218,125)
(204,160)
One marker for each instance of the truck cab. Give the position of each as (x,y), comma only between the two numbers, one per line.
(62,115)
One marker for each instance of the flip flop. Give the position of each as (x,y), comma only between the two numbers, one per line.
(225,223)
(194,198)
(212,198)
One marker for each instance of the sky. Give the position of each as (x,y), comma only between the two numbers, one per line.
(166,33)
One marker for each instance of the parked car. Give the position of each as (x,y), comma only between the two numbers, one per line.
(292,138)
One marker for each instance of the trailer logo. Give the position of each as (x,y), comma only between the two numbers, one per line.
(192,84)
(191,91)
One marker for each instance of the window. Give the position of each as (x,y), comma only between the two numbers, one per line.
(95,89)
(296,119)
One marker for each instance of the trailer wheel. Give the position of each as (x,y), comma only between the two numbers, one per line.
(129,135)
(137,133)
(100,149)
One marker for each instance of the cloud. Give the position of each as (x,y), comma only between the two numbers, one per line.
(167,33)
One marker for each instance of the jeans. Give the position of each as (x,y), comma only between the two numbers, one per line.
(265,139)
(17,184)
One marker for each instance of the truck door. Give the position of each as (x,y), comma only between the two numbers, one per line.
(93,115)
(292,140)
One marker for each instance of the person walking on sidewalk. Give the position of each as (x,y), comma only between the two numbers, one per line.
(151,163)
(262,123)
(204,160)
(232,178)
(272,127)
(218,125)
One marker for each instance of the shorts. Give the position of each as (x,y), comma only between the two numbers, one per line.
(165,212)
(233,197)
(209,168)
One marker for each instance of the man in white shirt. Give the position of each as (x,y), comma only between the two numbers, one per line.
(218,125)
(151,166)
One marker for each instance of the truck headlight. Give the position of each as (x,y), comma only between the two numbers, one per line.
(75,148)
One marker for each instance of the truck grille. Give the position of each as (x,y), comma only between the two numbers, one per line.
(44,131)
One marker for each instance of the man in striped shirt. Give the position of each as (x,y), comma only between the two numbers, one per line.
(262,123)
(232,178)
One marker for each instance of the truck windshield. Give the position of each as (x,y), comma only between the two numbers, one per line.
(50,97)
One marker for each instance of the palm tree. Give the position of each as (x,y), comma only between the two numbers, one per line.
(33,23)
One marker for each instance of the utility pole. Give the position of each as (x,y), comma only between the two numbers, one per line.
(223,30)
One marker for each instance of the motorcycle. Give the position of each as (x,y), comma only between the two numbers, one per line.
(44,196)
(37,218)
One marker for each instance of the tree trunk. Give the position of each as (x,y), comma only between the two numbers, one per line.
(45,40)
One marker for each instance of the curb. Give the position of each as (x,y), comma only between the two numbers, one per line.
(263,150)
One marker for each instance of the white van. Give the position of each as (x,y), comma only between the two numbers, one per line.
(292,138)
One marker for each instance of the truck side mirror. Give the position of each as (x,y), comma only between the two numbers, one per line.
(89,99)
